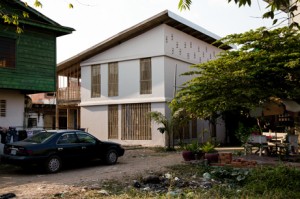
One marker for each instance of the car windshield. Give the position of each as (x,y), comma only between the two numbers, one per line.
(40,137)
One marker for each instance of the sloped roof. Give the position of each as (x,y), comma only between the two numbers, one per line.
(36,19)
(166,17)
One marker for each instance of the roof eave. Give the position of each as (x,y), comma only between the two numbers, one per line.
(165,17)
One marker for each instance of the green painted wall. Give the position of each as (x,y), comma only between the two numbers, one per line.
(35,61)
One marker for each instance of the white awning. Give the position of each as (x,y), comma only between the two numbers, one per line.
(275,108)
(291,105)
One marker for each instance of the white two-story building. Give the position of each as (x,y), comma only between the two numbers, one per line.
(138,71)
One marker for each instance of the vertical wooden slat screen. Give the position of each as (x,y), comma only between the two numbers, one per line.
(186,131)
(113,79)
(194,128)
(2,108)
(69,82)
(96,81)
(113,122)
(136,125)
(145,76)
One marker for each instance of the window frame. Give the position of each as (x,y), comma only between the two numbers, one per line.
(135,122)
(113,79)
(145,76)
(113,121)
(8,53)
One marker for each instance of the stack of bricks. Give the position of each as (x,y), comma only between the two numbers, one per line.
(240,162)
(225,158)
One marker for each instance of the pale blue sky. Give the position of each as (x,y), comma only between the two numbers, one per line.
(97,20)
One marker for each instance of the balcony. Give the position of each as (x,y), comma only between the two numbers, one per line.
(68,95)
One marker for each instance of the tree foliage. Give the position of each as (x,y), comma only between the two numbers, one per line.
(265,64)
(170,125)
(287,6)
(15,16)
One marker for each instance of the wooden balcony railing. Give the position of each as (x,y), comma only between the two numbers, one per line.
(68,94)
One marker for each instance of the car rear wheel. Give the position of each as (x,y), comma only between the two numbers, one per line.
(53,164)
(111,157)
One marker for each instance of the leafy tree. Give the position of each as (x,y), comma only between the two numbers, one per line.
(170,125)
(16,16)
(287,6)
(266,65)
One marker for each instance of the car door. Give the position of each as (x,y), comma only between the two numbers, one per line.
(89,145)
(68,147)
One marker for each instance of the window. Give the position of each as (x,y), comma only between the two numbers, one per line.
(113,79)
(7,52)
(67,138)
(32,122)
(2,108)
(145,76)
(85,138)
(136,124)
(96,81)
(50,94)
(113,122)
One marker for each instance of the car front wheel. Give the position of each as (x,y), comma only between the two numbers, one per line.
(111,157)
(53,164)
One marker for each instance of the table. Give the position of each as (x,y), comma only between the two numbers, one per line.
(278,148)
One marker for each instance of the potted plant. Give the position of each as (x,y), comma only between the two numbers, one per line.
(192,151)
(210,152)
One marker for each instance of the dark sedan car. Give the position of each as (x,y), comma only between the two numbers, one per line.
(52,148)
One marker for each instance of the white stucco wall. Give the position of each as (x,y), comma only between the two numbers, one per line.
(296,17)
(95,120)
(14,108)
(180,45)
(129,84)
(149,44)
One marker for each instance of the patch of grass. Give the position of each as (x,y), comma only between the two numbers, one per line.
(276,182)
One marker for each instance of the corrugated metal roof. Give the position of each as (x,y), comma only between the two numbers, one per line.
(166,17)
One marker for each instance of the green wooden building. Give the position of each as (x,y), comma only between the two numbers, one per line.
(27,59)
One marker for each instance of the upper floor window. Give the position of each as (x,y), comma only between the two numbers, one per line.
(96,81)
(145,76)
(113,79)
(7,52)
(2,108)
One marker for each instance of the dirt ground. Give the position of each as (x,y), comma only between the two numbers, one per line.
(35,184)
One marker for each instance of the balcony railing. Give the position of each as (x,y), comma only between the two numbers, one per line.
(68,94)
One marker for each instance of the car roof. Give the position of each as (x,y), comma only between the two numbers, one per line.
(63,131)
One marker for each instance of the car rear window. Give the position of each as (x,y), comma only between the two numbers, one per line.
(40,137)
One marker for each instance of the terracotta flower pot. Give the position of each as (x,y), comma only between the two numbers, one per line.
(212,157)
(188,155)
